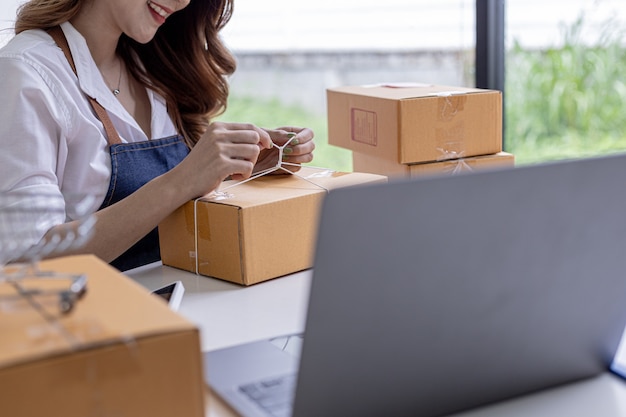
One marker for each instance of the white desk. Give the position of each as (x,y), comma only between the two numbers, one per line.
(228,314)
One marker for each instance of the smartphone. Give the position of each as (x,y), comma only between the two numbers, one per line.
(172,294)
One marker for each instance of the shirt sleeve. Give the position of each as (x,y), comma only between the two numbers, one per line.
(33,123)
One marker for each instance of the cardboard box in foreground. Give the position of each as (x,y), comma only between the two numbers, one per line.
(415,124)
(265,229)
(120,352)
(376,165)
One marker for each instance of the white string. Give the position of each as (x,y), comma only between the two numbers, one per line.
(460,166)
(448,154)
(195,229)
(280,165)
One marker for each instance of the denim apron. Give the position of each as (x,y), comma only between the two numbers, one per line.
(132,166)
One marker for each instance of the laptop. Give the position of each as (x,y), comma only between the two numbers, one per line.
(439,295)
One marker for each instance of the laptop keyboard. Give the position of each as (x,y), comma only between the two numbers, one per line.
(274,395)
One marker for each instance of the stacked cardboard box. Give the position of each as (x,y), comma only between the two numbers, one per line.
(415,130)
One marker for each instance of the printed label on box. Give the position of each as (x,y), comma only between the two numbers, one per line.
(363,126)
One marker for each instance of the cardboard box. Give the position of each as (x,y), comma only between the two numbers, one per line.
(265,229)
(119,352)
(376,165)
(415,124)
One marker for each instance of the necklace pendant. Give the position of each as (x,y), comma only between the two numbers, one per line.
(116,92)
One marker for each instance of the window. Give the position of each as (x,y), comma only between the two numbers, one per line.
(563,64)
(289,52)
(565,86)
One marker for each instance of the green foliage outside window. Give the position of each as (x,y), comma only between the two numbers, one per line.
(567,102)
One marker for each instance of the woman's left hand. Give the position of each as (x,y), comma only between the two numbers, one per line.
(298,146)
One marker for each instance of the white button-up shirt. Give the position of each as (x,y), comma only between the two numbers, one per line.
(51,141)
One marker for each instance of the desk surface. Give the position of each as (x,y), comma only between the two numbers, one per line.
(228,314)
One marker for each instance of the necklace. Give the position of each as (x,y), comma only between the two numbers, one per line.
(116,91)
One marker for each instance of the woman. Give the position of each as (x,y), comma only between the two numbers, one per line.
(113,98)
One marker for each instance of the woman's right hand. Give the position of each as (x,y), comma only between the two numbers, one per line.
(225,150)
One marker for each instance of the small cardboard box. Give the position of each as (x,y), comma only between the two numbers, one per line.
(120,351)
(415,124)
(376,165)
(265,229)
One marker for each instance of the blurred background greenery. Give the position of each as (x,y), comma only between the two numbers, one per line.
(560,103)
(567,102)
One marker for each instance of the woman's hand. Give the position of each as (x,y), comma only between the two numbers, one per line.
(225,150)
(298,150)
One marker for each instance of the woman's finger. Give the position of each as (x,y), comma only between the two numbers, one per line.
(243,133)
(291,135)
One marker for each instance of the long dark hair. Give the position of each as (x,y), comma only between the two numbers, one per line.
(186,62)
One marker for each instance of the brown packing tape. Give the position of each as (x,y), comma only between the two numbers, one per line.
(450,105)
(458,166)
(205,225)
(199,221)
(450,136)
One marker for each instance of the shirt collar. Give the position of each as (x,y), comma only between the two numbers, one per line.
(90,79)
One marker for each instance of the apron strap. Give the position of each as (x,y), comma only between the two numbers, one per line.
(59,37)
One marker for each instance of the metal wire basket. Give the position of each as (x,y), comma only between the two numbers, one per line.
(24,219)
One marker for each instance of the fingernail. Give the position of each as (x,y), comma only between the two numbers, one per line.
(291,140)
(288,150)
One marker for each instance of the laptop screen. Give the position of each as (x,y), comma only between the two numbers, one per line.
(434,296)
